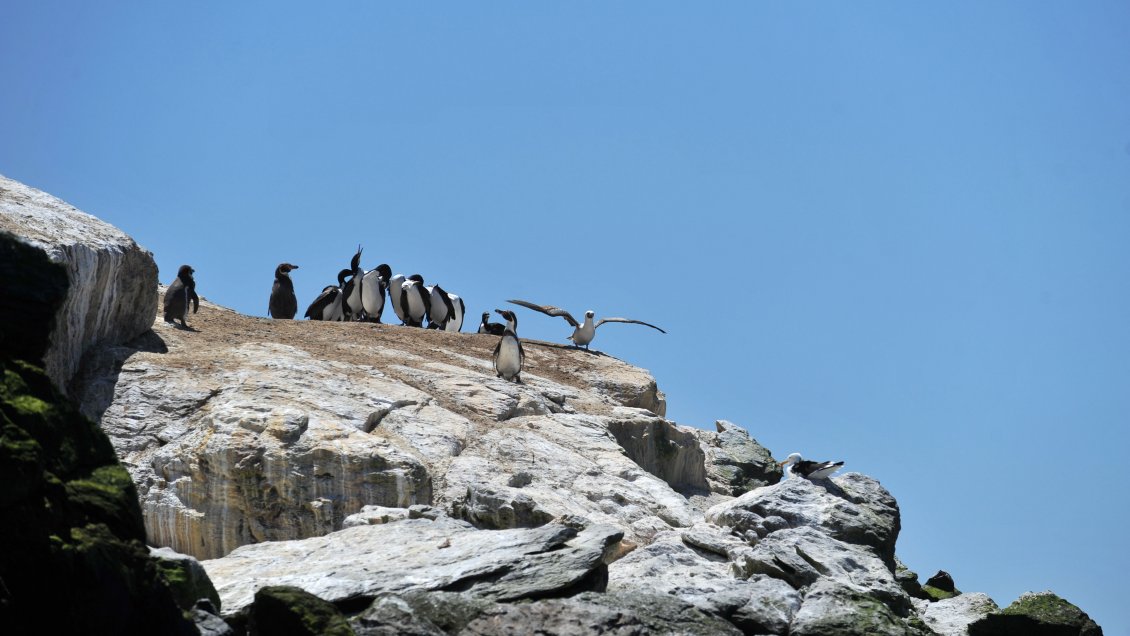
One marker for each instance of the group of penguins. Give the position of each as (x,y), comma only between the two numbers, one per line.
(360,296)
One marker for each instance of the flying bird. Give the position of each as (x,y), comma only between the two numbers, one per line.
(583,333)
(805,468)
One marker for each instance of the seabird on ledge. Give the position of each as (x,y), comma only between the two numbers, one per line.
(583,333)
(805,468)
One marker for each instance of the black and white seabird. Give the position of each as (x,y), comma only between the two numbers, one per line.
(455,321)
(394,285)
(414,301)
(492,328)
(180,293)
(508,354)
(351,293)
(805,468)
(283,303)
(328,305)
(373,286)
(583,333)
(440,309)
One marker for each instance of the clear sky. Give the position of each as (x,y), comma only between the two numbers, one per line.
(896,234)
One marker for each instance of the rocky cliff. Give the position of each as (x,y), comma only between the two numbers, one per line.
(374,479)
(111,279)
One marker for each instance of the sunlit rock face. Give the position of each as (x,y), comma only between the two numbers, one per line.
(110,296)
(246,430)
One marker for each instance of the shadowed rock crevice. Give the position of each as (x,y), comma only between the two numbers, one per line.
(669,452)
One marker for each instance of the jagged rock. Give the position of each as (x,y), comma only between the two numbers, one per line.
(1037,614)
(110,297)
(832,609)
(942,581)
(414,554)
(669,566)
(207,620)
(735,462)
(499,507)
(185,577)
(952,616)
(294,611)
(908,579)
(670,452)
(852,507)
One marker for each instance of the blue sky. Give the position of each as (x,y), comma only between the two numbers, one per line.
(890,233)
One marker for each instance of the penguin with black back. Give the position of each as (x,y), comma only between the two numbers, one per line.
(373,286)
(415,301)
(440,308)
(394,285)
(508,354)
(492,328)
(180,293)
(328,306)
(351,301)
(283,303)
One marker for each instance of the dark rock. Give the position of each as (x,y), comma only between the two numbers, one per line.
(942,581)
(74,560)
(1037,614)
(34,287)
(186,579)
(908,580)
(290,610)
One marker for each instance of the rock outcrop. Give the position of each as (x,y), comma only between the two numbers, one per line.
(371,479)
(110,296)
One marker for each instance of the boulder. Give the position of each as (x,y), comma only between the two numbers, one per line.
(421,554)
(1037,614)
(735,462)
(290,610)
(953,616)
(110,296)
(832,609)
(185,577)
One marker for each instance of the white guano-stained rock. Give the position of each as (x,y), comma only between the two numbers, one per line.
(110,299)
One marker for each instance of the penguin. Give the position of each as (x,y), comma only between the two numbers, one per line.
(327,306)
(414,300)
(508,354)
(394,285)
(181,292)
(283,303)
(583,333)
(455,322)
(492,328)
(351,304)
(440,309)
(373,286)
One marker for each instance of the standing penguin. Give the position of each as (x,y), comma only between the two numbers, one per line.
(414,301)
(440,309)
(181,291)
(394,285)
(373,286)
(283,303)
(351,303)
(455,321)
(508,354)
(328,306)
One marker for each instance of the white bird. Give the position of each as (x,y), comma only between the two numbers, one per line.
(583,333)
(794,464)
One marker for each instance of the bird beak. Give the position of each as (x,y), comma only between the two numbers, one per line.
(782,464)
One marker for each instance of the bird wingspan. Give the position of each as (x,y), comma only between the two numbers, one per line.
(548,310)
(635,322)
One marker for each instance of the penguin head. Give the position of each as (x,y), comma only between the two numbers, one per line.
(384,271)
(509,316)
(185,272)
(285,268)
